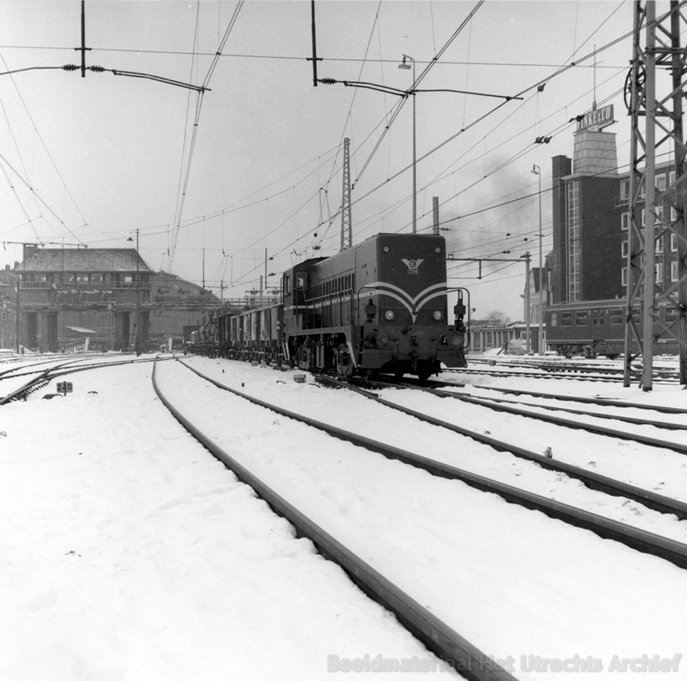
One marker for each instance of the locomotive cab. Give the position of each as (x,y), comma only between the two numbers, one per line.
(401,280)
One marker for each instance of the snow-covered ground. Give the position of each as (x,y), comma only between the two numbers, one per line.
(130,553)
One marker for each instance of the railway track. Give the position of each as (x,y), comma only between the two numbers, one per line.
(597,401)
(555,371)
(578,367)
(440,638)
(524,409)
(641,540)
(41,378)
(589,478)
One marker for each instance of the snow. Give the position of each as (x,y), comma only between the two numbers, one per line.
(130,553)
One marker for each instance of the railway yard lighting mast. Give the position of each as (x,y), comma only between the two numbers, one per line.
(405,65)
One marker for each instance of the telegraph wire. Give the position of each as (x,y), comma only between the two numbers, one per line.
(199,104)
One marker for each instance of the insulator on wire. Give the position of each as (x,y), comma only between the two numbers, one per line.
(70,67)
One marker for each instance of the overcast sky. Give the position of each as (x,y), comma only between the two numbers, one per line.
(91,160)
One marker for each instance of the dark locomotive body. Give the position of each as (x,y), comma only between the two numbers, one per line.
(377,306)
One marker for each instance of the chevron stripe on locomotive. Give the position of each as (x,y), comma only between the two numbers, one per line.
(379,306)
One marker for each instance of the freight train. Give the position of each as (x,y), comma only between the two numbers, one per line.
(379,306)
(597,327)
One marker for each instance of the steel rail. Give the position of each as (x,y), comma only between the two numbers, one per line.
(567,422)
(602,483)
(22,392)
(604,402)
(636,420)
(553,376)
(441,639)
(640,540)
(51,373)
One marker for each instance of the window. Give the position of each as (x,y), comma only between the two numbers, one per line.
(581,317)
(623,276)
(96,278)
(673,214)
(82,277)
(127,279)
(624,190)
(554,319)
(661,183)
(671,178)
(624,221)
(643,217)
(673,270)
(672,313)
(566,318)
(673,243)
(616,317)
(659,213)
(69,277)
(658,270)
(624,249)
(659,245)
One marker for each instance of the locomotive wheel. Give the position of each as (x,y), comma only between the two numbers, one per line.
(423,373)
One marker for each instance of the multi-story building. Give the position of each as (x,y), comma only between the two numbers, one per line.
(66,293)
(591,221)
(586,262)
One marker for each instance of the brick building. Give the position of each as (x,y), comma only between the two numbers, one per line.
(66,294)
(591,217)
(586,262)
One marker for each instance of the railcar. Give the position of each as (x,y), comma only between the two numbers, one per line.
(597,327)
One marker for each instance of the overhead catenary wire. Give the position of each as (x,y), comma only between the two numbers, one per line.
(199,104)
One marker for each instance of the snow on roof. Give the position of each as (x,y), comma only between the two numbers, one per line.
(84,260)
(80,329)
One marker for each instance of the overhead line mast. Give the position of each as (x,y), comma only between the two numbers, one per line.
(663,209)
(346,223)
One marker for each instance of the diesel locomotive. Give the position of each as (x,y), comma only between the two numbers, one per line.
(379,306)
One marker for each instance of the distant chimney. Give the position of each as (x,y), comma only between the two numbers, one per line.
(29,250)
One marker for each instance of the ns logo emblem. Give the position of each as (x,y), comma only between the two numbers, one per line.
(413,264)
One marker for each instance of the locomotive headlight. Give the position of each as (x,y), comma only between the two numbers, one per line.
(389,315)
(437,315)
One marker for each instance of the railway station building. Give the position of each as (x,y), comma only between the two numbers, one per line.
(99,298)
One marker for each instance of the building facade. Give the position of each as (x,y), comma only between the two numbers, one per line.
(586,262)
(66,295)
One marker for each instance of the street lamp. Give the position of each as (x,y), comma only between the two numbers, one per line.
(405,65)
(137,331)
(536,170)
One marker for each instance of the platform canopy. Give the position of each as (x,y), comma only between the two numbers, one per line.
(81,330)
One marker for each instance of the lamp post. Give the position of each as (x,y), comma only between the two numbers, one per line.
(137,314)
(536,170)
(405,65)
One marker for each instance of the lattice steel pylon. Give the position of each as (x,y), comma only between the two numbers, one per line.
(346,225)
(656,307)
